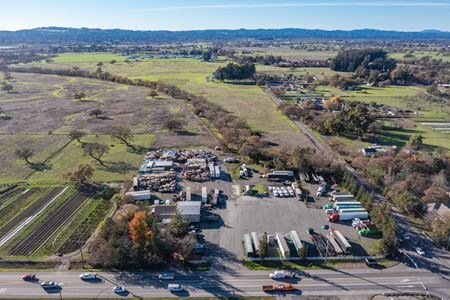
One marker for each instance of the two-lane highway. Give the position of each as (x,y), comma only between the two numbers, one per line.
(245,283)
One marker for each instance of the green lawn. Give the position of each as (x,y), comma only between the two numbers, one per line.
(121,162)
(319,72)
(88,57)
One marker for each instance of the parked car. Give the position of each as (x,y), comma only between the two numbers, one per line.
(29,277)
(88,276)
(175,287)
(119,290)
(370,262)
(166,276)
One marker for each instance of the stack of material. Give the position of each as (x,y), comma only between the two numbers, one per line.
(154,154)
(194,153)
(165,182)
(196,169)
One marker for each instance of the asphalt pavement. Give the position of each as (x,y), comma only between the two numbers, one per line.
(346,283)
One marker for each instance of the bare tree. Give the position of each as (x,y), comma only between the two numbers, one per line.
(121,133)
(96,151)
(77,135)
(25,153)
(173,125)
(96,112)
(79,95)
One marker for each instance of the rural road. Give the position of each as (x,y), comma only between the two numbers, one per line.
(351,284)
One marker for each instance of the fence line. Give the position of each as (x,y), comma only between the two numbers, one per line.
(316,258)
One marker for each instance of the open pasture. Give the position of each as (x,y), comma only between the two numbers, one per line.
(42,111)
(246,101)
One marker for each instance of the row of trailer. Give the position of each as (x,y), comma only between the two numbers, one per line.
(252,243)
(345,208)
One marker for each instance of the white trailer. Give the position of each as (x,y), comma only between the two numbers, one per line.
(342,241)
(139,195)
(348,216)
(282,245)
(335,245)
(212,172)
(255,240)
(347,204)
(188,194)
(217,171)
(296,240)
(204,195)
(342,198)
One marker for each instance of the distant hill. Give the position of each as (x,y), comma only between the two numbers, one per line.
(87,35)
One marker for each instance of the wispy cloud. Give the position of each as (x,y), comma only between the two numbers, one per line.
(294,5)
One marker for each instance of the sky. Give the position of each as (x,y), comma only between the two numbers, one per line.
(404,15)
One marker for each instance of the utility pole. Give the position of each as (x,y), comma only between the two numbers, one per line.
(81,252)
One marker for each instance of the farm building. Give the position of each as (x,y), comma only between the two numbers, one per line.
(139,195)
(190,210)
(164,212)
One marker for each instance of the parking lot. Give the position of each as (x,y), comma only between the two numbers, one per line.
(246,214)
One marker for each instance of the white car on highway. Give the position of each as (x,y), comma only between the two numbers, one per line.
(281,275)
(88,276)
(119,290)
(166,276)
(49,285)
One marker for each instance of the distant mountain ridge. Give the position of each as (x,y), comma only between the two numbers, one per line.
(47,35)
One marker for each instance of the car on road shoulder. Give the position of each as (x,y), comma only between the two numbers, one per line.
(29,277)
(119,290)
(166,276)
(88,276)
(175,287)
(370,262)
(420,251)
(49,285)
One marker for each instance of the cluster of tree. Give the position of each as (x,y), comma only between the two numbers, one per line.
(134,239)
(410,181)
(235,131)
(380,214)
(349,60)
(371,65)
(233,71)
(261,59)
(354,119)
(341,82)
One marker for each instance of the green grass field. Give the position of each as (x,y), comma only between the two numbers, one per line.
(248,102)
(420,54)
(88,57)
(319,72)
(121,162)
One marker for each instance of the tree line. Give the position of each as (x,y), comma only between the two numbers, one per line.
(135,239)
